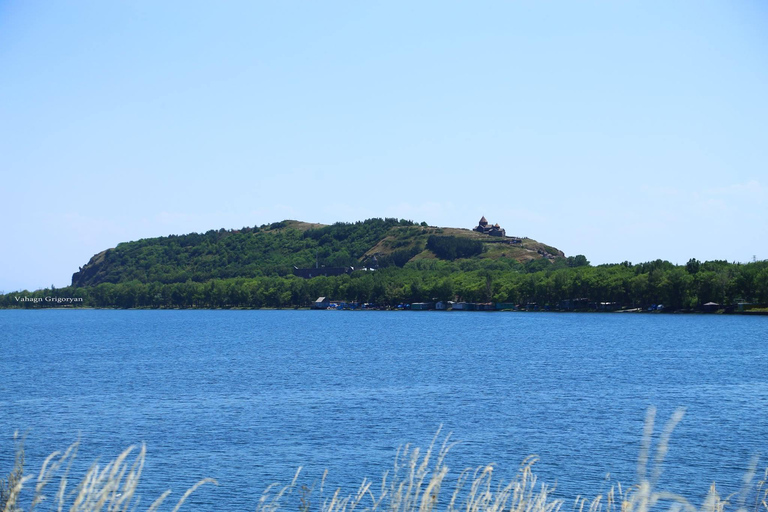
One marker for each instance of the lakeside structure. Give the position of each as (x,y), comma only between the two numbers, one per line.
(569,305)
(443,305)
(494,230)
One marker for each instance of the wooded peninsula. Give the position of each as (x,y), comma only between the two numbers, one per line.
(389,263)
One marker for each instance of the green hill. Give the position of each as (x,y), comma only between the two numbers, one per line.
(275,249)
(265,267)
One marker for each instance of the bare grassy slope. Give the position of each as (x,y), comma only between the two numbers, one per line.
(519,249)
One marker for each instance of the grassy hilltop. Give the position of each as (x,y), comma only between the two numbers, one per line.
(275,249)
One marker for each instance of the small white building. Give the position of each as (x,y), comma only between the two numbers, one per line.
(321,303)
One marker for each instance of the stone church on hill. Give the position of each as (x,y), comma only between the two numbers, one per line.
(494,230)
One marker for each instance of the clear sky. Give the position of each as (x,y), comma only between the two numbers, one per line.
(621,130)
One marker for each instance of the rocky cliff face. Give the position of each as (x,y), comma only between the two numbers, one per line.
(90,273)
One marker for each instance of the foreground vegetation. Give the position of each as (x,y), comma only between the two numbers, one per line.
(419,482)
(111,487)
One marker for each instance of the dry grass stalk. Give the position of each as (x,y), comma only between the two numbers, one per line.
(111,488)
(418,478)
(645,497)
(416,484)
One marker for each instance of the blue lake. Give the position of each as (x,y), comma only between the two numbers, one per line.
(246,397)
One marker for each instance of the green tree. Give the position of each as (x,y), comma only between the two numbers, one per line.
(578,261)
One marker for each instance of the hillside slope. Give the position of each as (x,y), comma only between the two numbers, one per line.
(277,248)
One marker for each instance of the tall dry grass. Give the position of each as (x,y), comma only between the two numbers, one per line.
(419,482)
(110,487)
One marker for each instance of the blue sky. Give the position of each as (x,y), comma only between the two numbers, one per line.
(619,130)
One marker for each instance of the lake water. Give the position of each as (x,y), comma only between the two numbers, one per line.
(248,396)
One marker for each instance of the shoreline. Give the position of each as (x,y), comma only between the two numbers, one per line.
(306,308)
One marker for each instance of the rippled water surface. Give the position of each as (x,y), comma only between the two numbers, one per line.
(248,396)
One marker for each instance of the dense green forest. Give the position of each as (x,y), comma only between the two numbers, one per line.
(269,250)
(545,282)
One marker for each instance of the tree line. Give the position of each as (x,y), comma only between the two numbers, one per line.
(544,282)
